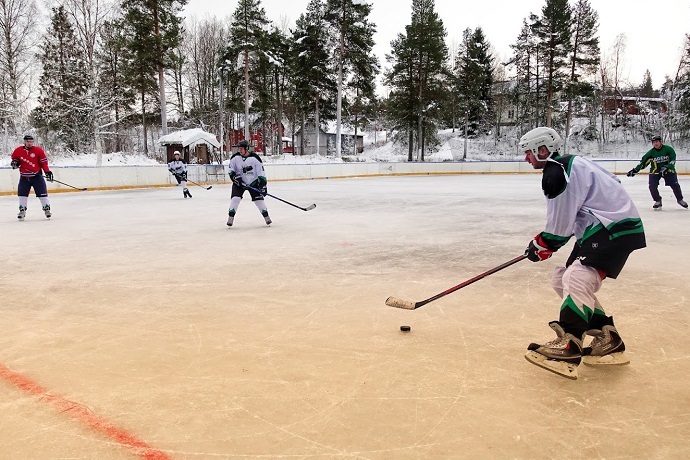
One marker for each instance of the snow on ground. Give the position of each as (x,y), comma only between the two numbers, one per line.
(453,147)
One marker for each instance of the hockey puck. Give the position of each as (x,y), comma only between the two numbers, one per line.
(405,328)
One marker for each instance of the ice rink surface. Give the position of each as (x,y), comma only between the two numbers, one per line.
(204,342)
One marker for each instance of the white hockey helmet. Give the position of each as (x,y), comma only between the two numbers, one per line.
(176,152)
(537,137)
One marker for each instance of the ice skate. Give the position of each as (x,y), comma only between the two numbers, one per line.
(46,209)
(657,205)
(22,213)
(186,193)
(231,219)
(683,203)
(607,348)
(266,217)
(560,356)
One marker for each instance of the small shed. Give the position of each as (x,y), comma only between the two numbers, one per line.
(195,145)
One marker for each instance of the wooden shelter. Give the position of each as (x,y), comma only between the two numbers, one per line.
(195,145)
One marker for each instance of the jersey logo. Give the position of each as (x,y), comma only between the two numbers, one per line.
(32,155)
(595,245)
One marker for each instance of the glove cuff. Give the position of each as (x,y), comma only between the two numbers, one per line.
(541,244)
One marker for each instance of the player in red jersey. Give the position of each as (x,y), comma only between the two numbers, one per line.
(31,160)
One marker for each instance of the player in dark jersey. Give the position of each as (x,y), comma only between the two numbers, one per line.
(662,161)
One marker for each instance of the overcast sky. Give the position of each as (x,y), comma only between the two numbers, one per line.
(655,30)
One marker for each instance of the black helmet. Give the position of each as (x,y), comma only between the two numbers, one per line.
(28,137)
(244,143)
(656,138)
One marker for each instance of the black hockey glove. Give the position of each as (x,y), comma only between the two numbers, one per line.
(14,164)
(237,180)
(183,175)
(260,185)
(49,176)
(537,250)
(632,172)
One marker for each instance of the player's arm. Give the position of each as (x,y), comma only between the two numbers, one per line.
(644,162)
(16,160)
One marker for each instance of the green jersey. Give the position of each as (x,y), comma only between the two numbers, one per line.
(662,160)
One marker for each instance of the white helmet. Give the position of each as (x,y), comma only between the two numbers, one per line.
(537,137)
(177,152)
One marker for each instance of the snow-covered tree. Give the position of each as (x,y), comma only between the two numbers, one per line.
(16,58)
(247,43)
(64,86)
(315,87)
(353,33)
(418,77)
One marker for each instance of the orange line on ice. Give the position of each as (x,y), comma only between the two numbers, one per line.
(82,415)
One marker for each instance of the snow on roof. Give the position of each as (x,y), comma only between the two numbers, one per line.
(189,138)
(345,130)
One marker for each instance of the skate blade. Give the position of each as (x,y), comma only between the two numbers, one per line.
(614,359)
(561,368)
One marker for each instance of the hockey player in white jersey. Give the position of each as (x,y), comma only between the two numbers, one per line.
(247,168)
(585,201)
(178,168)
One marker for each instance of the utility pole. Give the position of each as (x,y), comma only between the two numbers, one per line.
(464,150)
(221,115)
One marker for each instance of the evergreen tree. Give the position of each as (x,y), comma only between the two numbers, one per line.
(314,85)
(353,34)
(139,56)
(554,32)
(248,42)
(474,81)
(527,92)
(63,84)
(647,90)
(584,58)
(113,90)
(418,77)
(154,31)
(402,102)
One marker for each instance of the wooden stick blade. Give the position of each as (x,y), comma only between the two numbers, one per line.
(399,303)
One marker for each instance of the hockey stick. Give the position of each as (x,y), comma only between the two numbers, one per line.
(308,208)
(207,188)
(409,305)
(77,188)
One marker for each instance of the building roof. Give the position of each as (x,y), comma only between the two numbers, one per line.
(189,138)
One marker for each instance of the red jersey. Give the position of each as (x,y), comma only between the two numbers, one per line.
(31,160)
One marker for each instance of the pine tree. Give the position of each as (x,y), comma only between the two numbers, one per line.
(63,84)
(554,33)
(113,90)
(474,80)
(314,85)
(647,90)
(419,76)
(154,30)
(139,56)
(584,58)
(247,43)
(353,34)
(527,94)
(402,101)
